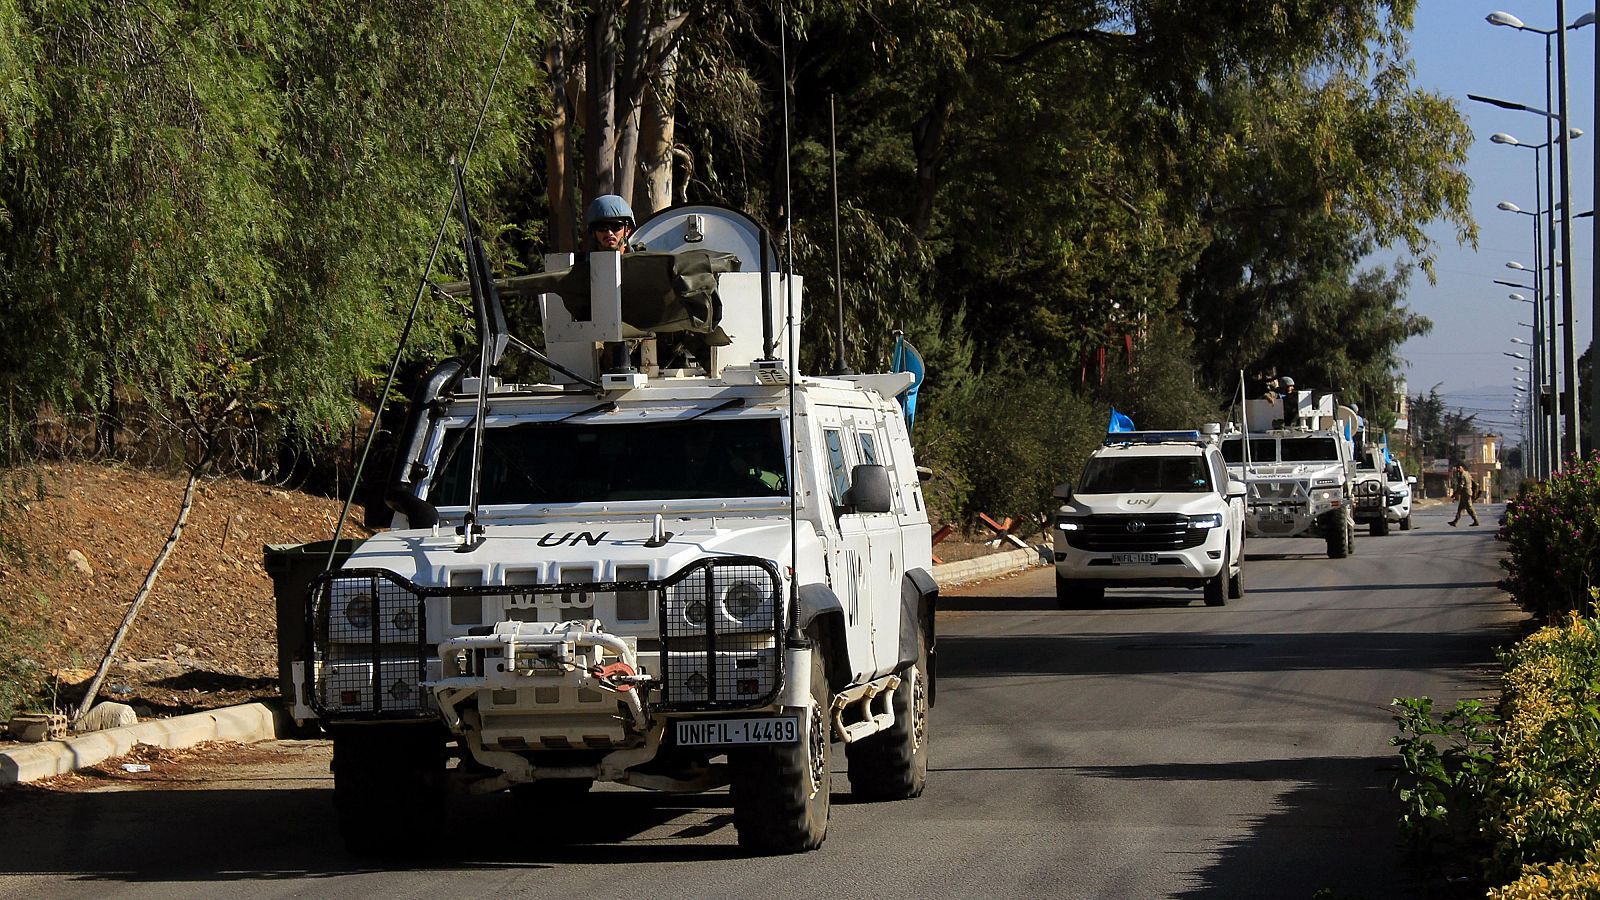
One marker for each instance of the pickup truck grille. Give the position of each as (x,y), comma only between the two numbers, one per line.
(1134,532)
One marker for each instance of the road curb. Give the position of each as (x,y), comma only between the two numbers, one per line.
(954,573)
(245,724)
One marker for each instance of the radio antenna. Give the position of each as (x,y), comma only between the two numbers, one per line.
(793,362)
(423,289)
(840,367)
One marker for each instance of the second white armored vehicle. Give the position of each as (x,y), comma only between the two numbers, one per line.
(675,571)
(1296,458)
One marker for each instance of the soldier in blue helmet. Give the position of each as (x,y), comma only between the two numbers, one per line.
(609,221)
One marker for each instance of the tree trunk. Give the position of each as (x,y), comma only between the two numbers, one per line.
(654,192)
(928,140)
(600,136)
(636,66)
(558,168)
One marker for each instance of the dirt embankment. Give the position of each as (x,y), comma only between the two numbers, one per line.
(76,542)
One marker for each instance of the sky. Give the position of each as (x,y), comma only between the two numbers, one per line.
(1457,53)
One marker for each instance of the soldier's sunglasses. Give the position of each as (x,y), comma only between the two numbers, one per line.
(608,226)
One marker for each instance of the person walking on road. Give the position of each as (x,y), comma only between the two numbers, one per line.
(1461,484)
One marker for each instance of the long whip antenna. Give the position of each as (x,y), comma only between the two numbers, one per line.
(840,367)
(423,288)
(793,362)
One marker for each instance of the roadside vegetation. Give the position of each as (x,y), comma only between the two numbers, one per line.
(1510,795)
(212,228)
(24,639)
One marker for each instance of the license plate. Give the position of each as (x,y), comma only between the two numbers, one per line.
(1134,559)
(718,732)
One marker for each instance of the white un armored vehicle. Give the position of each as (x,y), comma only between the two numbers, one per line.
(678,565)
(1298,467)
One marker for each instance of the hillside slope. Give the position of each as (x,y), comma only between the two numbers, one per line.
(76,542)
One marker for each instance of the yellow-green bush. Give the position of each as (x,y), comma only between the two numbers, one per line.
(1542,812)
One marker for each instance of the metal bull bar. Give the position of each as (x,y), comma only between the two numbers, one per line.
(722,624)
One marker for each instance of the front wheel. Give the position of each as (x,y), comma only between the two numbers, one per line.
(1340,536)
(1078,594)
(780,792)
(1405,523)
(893,764)
(1380,527)
(388,788)
(1236,583)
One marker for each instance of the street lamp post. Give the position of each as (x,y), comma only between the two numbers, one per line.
(1550,444)
(1546,444)
(1569,395)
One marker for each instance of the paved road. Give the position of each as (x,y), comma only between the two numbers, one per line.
(1151,748)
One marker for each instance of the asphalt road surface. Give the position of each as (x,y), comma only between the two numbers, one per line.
(1153,747)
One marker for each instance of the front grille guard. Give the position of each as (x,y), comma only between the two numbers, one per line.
(383,657)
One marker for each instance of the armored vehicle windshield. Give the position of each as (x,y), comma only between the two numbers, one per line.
(553,462)
(1309,449)
(1262,450)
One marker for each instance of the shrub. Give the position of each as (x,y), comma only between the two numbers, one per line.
(1544,808)
(1552,533)
(1445,765)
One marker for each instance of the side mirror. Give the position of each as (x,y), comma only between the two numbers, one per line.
(1236,489)
(1063,491)
(870,491)
(1411,479)
(924,474)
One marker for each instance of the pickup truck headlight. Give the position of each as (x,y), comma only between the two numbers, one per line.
(1212,520)
(1069,523)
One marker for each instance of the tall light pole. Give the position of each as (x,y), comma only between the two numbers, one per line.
(1569,395)
(1546,299)
(1545,447)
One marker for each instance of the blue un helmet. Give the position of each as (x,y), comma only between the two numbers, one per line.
(608,207)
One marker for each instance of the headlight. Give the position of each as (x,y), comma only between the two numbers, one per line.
(743,599)
(358,612)
(1069,523)
(1327,496)
(1214,520)
(695,612)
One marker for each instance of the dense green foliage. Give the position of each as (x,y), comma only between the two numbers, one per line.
(1552,532)
(220,219)
(1513,798)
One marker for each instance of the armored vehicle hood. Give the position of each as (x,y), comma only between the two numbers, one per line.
(563,551)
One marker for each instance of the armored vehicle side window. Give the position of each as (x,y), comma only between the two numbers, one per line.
(869,451)
(840,482)
(553,462)
(1136,474)
(1262,450)
(1310,449)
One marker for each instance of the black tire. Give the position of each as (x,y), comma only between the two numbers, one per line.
(1236,583)
(1380,528)
(1339,537)
(1216,589)
(1078,594)
(388,788)
(1405,523)
(781,792)
(893,764)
